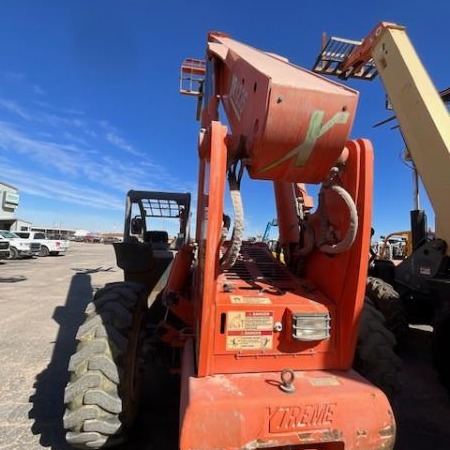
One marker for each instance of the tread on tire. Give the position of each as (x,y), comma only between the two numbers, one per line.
(387,300)
(102,395)
(375,357)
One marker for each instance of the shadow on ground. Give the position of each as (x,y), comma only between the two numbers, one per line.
(156,426)
(48,399)
(422,411)
(12,279)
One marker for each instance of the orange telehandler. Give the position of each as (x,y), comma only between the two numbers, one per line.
(262,351)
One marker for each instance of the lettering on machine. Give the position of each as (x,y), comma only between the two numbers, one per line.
(238,96)
(291,418)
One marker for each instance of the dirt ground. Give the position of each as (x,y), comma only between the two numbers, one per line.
(41,306)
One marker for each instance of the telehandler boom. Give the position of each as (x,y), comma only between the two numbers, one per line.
(422,116)
(422,279)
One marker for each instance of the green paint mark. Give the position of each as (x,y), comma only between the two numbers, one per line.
(315,131)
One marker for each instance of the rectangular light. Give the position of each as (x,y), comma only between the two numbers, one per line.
(310,327)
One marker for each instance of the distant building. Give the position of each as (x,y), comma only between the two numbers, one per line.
(54,232)
(9,201)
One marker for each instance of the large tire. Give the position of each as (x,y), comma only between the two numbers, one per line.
(375,358)
(440,351)
(387,300)
(104,389)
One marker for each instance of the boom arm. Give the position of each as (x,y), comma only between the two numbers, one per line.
(270,224)
(286,122)
(423,118)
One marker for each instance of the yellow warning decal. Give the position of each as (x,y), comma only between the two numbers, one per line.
(249,330)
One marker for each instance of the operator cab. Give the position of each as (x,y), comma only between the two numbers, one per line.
(147,250)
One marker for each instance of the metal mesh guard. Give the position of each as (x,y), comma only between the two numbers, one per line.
(161,208)
(335,52)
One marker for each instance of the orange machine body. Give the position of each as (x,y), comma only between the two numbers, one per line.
(290,126)
(292,123)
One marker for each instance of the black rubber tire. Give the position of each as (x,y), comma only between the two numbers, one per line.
(439,351)
(13,253)
(44,251)
(375,357)
(102,396)
(387,300)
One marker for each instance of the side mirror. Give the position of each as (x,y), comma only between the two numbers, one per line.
(136,225)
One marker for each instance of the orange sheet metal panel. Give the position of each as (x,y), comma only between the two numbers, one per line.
(210,219)
(259,288)
(294,123)
(342,278)
(304,147)
(253,322)
(250,411)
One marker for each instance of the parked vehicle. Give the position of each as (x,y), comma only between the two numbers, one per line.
(4,248)
(92,239)
(111,240)
(19,247)
(48,246)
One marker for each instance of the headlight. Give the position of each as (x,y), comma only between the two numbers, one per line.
(310,327)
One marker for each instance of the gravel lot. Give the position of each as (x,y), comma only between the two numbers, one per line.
(41,306)
(42,302)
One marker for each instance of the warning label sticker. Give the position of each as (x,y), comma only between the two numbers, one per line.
(250,300)
(249,330)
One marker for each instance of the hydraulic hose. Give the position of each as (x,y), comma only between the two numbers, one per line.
(347,242)
(231,255)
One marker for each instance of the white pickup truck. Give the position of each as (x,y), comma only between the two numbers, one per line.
(4,248)
(18,247)
(48,246)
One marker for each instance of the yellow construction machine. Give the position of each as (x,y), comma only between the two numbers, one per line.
(422,280)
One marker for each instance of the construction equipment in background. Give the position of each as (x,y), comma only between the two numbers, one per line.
(262,351)
(270,224)
(444,94)
(422,279)
(146,252)
(395,246)
(272,244)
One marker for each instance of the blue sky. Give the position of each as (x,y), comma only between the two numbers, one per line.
(89,102)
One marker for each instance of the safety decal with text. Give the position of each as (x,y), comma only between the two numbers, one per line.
(249,330)
(250,300)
